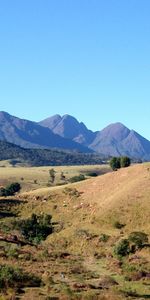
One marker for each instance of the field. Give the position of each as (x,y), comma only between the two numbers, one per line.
(78,260)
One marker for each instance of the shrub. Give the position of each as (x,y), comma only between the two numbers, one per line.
(10,189)
(72,192)
(138,239)
(122,248)
(125,161)
(104,237)
(77,178)
(115,163)
(92,174)
(35,229)
(118,225)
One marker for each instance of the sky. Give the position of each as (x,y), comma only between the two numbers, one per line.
(86,58)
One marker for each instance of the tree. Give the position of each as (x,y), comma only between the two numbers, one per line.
(125,161)
(62,176)
(52,175)
(115,163)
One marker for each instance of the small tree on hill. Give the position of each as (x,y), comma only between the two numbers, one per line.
(125,161)
(52,175)
(115,163)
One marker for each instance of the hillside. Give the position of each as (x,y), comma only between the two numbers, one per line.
(45,157)
(91,218)
(78,260)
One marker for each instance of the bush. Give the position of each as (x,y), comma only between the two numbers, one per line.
(118,225)
(104,237)
(35,229)
(115,163)
(10,190)
(138,239)
(122,248)
(77,178)
(125,161)
(92,174)
(119,162)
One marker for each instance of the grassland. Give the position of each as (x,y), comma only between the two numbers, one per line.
(77,261)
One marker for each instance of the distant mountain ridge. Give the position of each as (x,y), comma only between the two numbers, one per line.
(67,133)
(68,127)
(30,134)
(116,139)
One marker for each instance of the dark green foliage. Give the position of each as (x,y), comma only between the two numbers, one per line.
(139,239)
(122,248)
(92,174)
(115,163)
(46,157)
(35,229)
(77,178)
(119,162)
(14,277)
(10,189)
(125,161)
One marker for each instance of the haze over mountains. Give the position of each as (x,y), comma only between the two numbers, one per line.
(65,132)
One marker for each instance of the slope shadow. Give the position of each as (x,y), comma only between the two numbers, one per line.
(7,206)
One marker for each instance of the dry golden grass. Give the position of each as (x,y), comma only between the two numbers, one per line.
(121,196)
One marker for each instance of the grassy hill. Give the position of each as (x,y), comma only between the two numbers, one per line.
(77,261)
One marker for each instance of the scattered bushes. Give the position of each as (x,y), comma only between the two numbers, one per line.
(35,229)
(10,190)
(15,278)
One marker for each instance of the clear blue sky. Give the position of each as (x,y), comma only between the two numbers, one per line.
(87,58)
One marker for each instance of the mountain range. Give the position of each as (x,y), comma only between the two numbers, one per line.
(65,132)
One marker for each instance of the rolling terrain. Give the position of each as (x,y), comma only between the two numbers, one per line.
(78,260)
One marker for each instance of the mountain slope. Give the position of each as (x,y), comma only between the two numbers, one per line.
(29,134)
(68,127)
(116,140)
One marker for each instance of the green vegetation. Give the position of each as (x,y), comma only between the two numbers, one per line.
(119,162)
(15,278)
(46,157)
(139,239)
(77,178)
(36,228)
(10,189)
(135,241)
(115,163)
